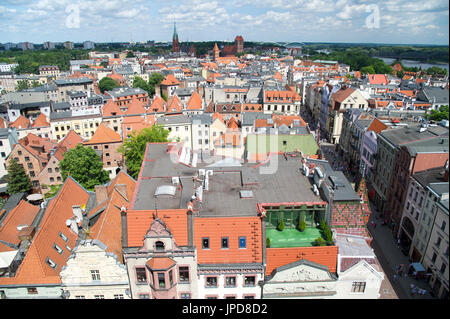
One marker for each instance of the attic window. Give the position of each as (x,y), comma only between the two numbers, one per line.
(57,248)
(50,263)
(63,237)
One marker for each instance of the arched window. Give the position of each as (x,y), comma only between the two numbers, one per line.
(159,246)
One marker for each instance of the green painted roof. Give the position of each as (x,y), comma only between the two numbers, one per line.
(260,144)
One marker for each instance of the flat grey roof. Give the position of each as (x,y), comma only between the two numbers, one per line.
(353,246)
(411,133)
(284,184)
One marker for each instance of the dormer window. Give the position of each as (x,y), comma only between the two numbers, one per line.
(159,246)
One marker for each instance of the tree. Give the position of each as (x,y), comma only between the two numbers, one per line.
(139,82)
(54,189)
(438,115)
(18,181)
(85,166)
(107,84)
(301,226)
(320,241)
(22,85)
(154,80)
(133,149)
(368,70)
(130,54)
(280,226)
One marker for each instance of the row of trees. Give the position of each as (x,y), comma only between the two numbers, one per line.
(85,165)
(30,60)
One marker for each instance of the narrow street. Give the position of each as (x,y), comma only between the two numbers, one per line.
(384,245)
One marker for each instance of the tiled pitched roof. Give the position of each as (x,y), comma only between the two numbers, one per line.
(23,214)
(377,126)
(2,123)
(110,109)
(323,255)
(136,107)
(160,263)
(108,228)
(377,79)
(103,135)
(195,102)
(34,268)
(20,122)
(342,94)
(139,222)
(233,124)
(278,76)
(269,96)
(71,140)
(40,121)
(158,105)
(170,79)
(174,105)
(232,227)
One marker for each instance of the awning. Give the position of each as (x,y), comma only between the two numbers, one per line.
(418,267)
(7,257)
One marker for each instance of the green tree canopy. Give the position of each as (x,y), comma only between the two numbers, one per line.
(438,115)
(18,181)
(368,70)
(22,85)
(133,148)
(139,82)
(107,84)
(85,166)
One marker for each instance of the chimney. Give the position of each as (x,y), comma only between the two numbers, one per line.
(122,189)
(101,193)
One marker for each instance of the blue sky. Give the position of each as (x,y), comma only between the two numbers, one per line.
(370,21)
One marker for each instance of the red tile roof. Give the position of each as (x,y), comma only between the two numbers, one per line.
(139,222)
(323,255)
(232,227)
(170,80)
(40,121)
(108,228)
(2,123)
(378,79)
(110,109)
(23,214)
(103,135)
(71,140)
(136,107)
(377,126)
(20,122)
(174,105)
(160,263)
(34,268)
(158,105)
(195,102)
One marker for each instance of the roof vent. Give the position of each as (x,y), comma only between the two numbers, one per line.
(246,194)
(165,190)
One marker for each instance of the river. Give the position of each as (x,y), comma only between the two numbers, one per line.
(409,63)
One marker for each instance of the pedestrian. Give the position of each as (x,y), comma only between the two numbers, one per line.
(398,243)
(415,275)
(375,225)
(395,278)
(397,269)
(414,291)
(424,292)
